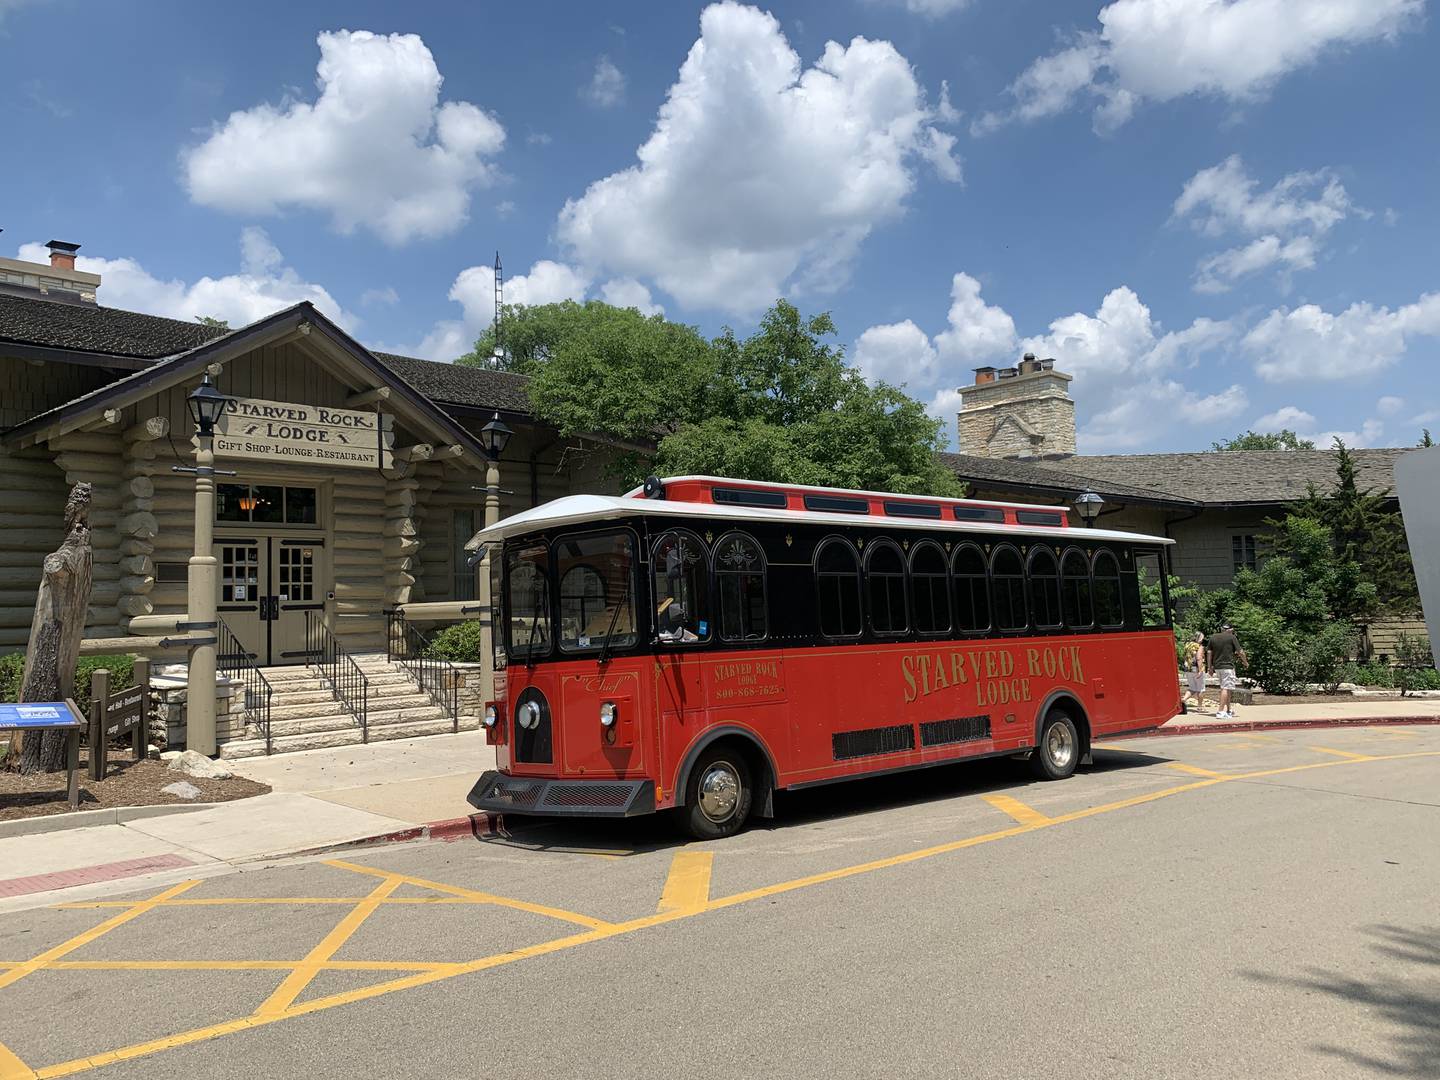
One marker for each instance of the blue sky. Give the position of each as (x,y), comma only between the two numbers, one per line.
(1217,214)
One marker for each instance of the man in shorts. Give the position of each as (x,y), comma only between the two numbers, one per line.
(1222,652)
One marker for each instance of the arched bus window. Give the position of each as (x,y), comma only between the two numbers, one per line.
(582,597)
(1007,586)
(1105,573)
(681,574)
(837,582)
(929,588)
(740,583)
(972,589)
(1075,589)
(1043,570)
(885,577)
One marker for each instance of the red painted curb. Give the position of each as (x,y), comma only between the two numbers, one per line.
(1276,725)
(89,875)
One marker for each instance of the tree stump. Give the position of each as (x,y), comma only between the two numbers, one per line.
(55,632)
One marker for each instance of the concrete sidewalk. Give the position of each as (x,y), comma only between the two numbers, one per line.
(321,799)
(1362,711)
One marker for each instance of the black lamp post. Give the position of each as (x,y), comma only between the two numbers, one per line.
(494,436)
(1088,505)
(207,405)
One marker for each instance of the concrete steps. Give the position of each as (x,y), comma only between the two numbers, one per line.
(305,714)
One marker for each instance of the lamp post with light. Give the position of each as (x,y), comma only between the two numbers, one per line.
(207,405)
(494,437)
(1088,505)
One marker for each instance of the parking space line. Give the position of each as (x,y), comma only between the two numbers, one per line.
(1195,770)
(1341,753)
(222,901)
(240,965)
(1025,815)
(11,1067)
(15,974)
(687,888)
(482,897)
(304,973)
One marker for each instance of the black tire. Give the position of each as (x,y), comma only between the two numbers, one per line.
(1059,751)
(724,807)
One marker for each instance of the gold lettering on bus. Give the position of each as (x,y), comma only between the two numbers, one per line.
(743,680)
(990,672)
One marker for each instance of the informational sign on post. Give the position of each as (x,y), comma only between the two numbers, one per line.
(284,432)
(41,716)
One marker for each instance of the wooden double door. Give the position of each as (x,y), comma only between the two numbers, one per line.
(267,585)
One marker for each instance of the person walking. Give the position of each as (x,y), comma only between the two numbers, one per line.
(1222,651)
(1193,660)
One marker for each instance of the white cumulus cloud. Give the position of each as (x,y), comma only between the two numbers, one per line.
(1287,416)
(627,292)
(896,353)
(1309,342)
(1159,50)
(606,87)
(978,333)
(264,285)
(761,175)
(376,150)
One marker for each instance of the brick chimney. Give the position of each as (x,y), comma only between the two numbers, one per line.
(1017,412)
(62,255)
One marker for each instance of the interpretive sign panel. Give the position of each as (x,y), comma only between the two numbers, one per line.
(39,714)
(284,432)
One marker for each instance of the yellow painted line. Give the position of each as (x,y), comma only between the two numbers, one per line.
(610,930)
(239,965)
(1025,815)
(1195,770)
(1341,753)
(482,897)
(15,974)
(305,972)
(11,1067)
(688,886)
(222,901)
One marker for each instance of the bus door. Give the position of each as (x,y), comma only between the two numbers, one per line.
(680,609)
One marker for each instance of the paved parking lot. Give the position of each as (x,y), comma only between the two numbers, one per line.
(1203,906)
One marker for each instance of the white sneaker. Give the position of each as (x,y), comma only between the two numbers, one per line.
(1223,715)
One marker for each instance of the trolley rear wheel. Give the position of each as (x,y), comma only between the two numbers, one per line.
(1058,753)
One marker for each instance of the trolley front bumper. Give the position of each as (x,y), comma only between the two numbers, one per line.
(500,794)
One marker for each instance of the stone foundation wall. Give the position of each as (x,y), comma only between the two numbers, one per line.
(168,716)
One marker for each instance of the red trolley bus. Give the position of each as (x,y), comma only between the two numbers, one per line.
(700,643)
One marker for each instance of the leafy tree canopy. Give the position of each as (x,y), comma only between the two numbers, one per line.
(210,320)
(779,405)
(1284,439)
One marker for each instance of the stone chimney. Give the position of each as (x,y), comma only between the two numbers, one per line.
(57,281)
(1018,412)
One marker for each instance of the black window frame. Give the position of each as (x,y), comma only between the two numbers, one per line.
(1081,579)
(637,547)
(837,504)
(824,545)
(1106,553)
(768,500)
(969,578)
(717,590)
(1032,580)
(996,580)
(706,584)
(1244,553)
(902,508)
(993,515)
(886,544)
(521,651)
(945,589)
(1050,518)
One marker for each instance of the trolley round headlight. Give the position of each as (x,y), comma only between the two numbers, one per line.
(491,716)
(609,714)
(529,715)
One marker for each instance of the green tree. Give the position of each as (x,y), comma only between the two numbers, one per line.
(1284,439)
(210,320)
(1425,439)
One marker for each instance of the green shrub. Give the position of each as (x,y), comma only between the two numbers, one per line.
(121,668)
(460,643)
(1415,665)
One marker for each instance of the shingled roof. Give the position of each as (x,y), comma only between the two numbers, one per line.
(1028,476)
(460,384)
(90,328)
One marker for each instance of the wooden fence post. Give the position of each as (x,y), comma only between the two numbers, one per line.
(99,698)
(140,737)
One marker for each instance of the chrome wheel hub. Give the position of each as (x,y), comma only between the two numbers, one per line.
(719,792)
(1059,745)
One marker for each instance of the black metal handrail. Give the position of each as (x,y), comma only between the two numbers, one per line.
(238,663)
(407,644)
(338,668)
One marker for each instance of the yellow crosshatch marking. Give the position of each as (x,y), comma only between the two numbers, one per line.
(1195,770)
(1340,753)
(685,895)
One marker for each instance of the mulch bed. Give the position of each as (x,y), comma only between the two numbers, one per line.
(127,783)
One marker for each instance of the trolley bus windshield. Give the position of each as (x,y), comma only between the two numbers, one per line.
(590,577)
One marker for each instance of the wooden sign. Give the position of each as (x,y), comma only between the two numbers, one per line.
(283,432)
(124,712)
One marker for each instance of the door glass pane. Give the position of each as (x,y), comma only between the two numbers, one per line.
(682,578)
(463,578)
(300,506)
(239,570)
(296,573)
(269,505)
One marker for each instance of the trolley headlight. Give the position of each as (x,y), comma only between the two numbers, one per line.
(609,713)
(491,716)
(528,715)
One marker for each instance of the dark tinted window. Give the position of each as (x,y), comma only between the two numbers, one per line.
(1075,589)
(914,510)
(929,588)
(1007,580)
(972,589)
(837,573)
(1038,517)
(978,513)
(774,500)
(837,504)
(740,583)
(682,588)
(1044,573)
(1105,571)
(885,578)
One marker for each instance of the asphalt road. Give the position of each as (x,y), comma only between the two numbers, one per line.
(1209,906)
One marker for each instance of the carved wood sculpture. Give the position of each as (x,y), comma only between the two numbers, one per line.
(56,630)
